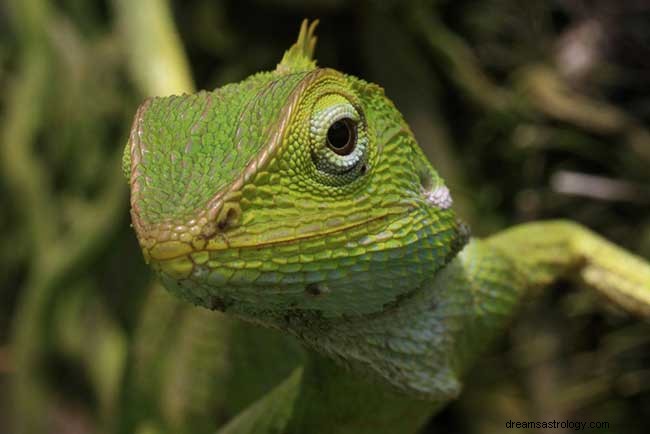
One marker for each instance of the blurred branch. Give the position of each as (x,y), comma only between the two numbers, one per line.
(25,177)
(458,60)
(545,90)
(56,255)
(156,57)
(549,94)
(552,97)
(65,257)
(598,187)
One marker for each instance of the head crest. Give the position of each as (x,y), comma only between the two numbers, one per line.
(300,56)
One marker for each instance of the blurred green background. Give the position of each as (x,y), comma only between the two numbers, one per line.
(530,110)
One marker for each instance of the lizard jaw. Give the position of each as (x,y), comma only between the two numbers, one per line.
(176,258)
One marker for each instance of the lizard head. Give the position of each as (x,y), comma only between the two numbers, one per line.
(300,189)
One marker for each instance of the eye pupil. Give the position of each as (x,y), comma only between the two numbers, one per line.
(342,136)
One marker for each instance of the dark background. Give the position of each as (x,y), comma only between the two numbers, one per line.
(530,110)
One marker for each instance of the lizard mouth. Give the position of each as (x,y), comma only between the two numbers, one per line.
(328,271)
(172,249)
(179,259)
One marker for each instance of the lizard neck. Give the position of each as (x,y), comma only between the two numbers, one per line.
(353,404)
(404,346)
(421,345)
(407,346)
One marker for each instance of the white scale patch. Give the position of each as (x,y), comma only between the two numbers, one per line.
(439,197)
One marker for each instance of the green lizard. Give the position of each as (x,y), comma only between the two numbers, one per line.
(299,200)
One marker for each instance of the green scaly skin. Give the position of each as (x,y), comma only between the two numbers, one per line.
(240,205)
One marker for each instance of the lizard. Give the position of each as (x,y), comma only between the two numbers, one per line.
(299,200)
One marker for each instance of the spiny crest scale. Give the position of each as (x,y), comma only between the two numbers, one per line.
(300,56)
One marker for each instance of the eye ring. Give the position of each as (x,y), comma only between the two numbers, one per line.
(339,140)
(342,136)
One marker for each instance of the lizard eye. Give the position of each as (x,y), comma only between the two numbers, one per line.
(342,136)
(339,140)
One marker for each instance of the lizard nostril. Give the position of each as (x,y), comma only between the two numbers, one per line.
(228,216)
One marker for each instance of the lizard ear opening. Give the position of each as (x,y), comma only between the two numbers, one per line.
(426,180)
(300,56)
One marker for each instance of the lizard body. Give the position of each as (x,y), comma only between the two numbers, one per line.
(298,199)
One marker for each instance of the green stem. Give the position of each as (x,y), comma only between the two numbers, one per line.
(154,49)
